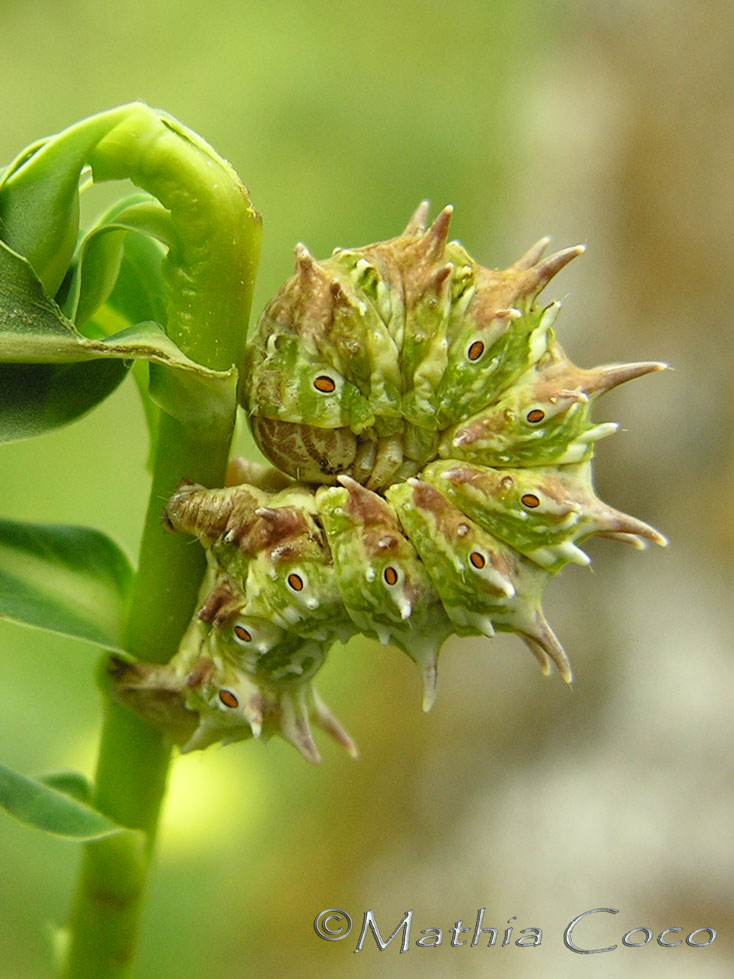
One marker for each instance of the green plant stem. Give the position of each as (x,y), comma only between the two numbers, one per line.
(210,270)
(112,881)
(134,757)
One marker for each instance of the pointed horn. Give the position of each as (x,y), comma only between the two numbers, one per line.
(323,717)
(434,239)
(603,379)
(429,675)
(442,276)
(359,493)
(363,502)
(615,522)
(546,269)
(538,653)
(632,539)
(418,221)
(304,259)
(532,255)
(545,640)
(620,526)
(349,483)
(294,727)
(256,724)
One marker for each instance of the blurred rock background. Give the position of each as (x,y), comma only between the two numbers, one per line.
(604,122)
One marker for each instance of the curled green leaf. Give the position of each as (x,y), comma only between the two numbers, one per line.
(133,232)
(39,196)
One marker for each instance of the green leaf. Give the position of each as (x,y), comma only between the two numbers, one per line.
(35,398)
(43,805)
(39,196)
(119,261)
(71,580)
(140,293)
(74,784)
(182,262)
(51,374)
(117,279)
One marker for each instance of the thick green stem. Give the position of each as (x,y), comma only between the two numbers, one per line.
(210,272)
(133,759)
(112,881)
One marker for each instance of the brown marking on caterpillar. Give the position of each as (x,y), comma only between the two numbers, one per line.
(428,498)
(201,672)
(221,605)
(530,500)
(460,473)
(305,451)
(381,532)
(276,525)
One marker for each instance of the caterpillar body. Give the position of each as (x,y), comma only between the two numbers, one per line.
(433,448)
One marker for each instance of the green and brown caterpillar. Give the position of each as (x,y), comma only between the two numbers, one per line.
(436,444)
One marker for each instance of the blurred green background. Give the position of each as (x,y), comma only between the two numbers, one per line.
(604,122)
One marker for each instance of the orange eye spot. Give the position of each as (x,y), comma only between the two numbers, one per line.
(530,500)
(477,560)
(228,698)
(535,416)
(242,634)
(475,351)
(325,384)
(390,575)
(296,582)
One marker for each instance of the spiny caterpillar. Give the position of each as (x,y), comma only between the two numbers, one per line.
(436,442)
